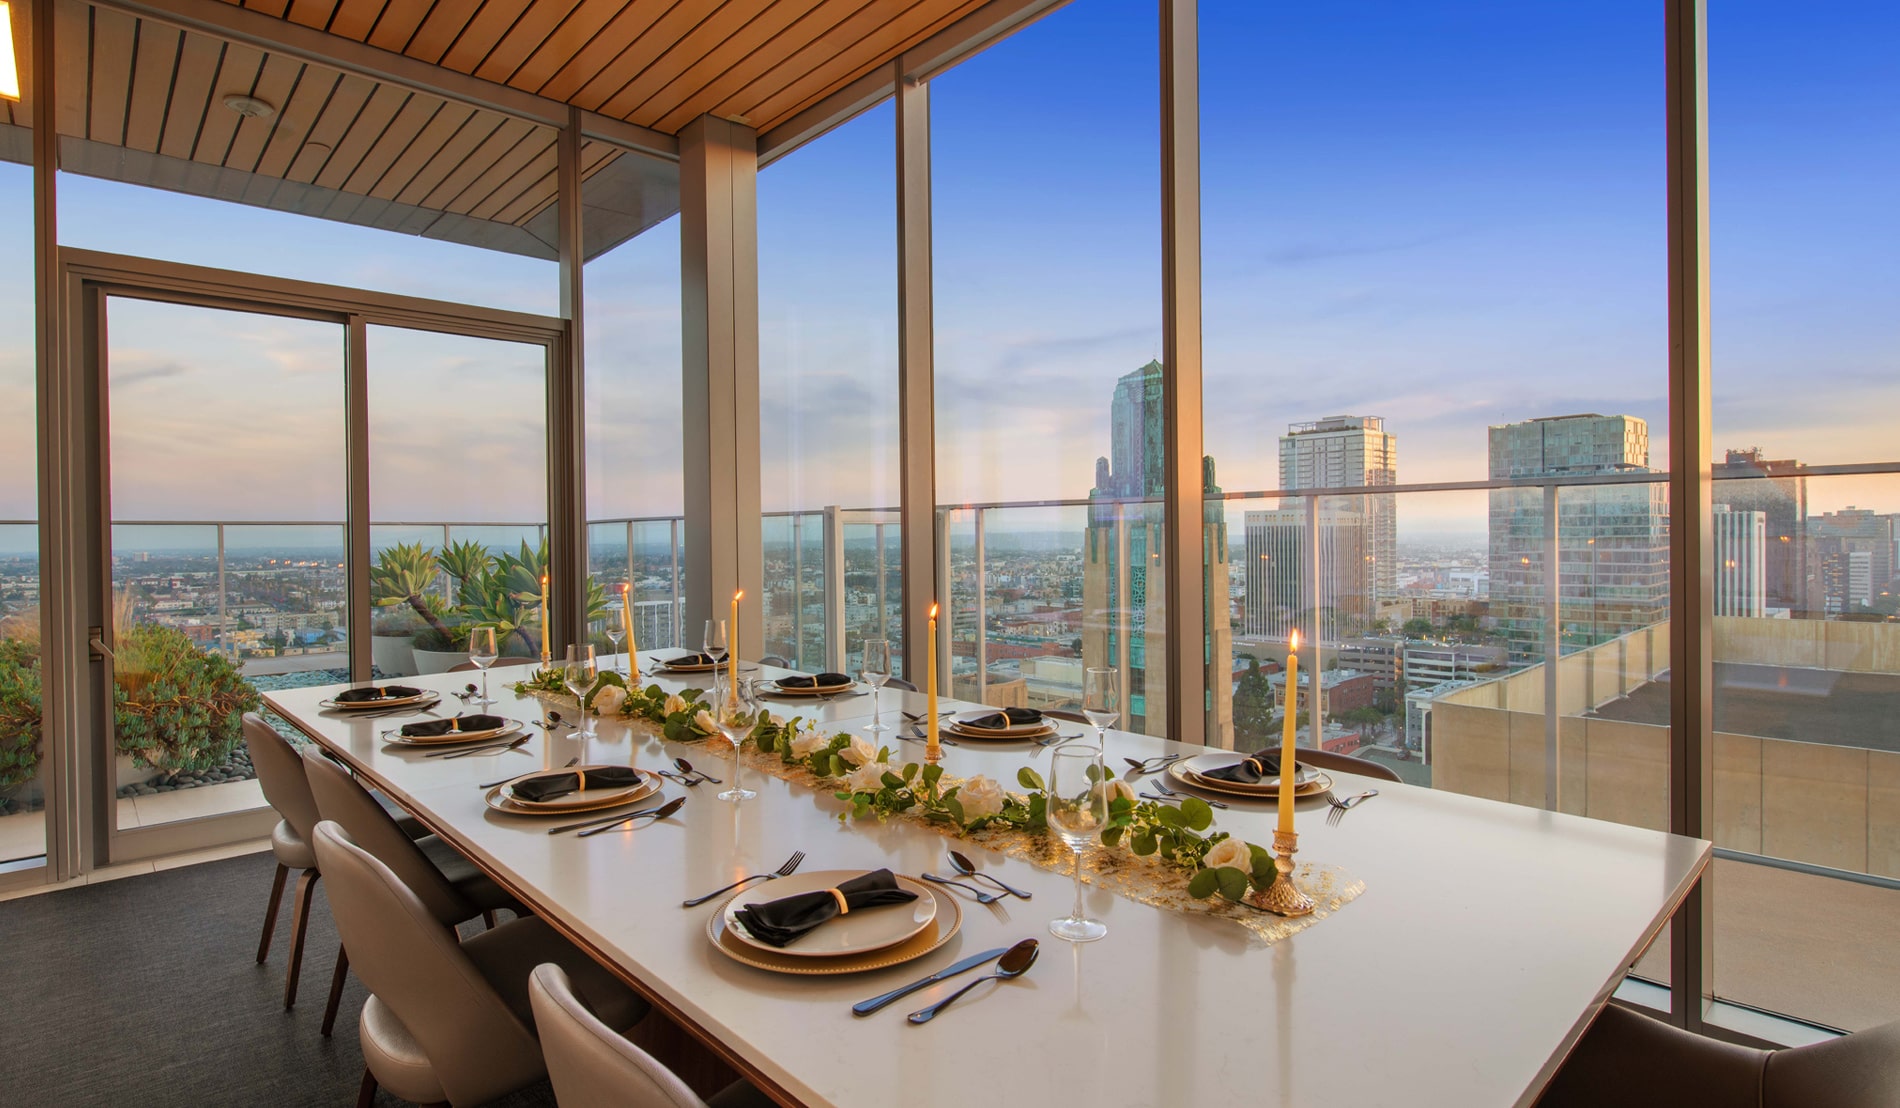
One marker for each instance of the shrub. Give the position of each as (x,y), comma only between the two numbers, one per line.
(176,707)
(19,711)
(452,640)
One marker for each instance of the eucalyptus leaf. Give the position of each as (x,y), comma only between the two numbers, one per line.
(1203,884)
(1029,779)
(954,807)
(1170,816)
(1264,869)
(910,770)
(1200,815)
(1233,883)
(1143,843)
(892,780)
(1112,836)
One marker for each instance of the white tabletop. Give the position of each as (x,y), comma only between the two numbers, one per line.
(1486,938)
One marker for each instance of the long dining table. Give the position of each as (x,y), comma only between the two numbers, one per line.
(1487,937)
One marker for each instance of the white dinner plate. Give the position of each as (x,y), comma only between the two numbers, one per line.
(960,723)
(820,690)
(1191,771)
(587,798)
(420,700)
(500,803)
(450,738)
(857,932)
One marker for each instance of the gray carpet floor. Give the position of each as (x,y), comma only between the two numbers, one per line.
(145,991)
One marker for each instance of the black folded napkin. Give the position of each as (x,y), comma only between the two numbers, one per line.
(693,660)
(555,785)
(1252,769)
(378,693)
(786,920)
(436,728)
(1003,719)
(822,681)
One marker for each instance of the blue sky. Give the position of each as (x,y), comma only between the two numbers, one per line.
(1449,215)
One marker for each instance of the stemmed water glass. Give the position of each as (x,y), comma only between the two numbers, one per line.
(875,669)
(1101,700)
(715,642)
(579,675)
(734,710)
(617,630)
(482,654)
(1077,813)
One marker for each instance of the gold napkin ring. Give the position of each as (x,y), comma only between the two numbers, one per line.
(1257,767)
(844,906)
(582,786)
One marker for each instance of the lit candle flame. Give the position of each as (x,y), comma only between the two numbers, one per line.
(623,586)
(933,611)
(1293,640)
(740,595)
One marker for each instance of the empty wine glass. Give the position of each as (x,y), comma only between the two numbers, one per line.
(1077,813)
(1101,701)
(733,711)
(482,653)
(715,643)
(874,669)
(617,630)
(579,675)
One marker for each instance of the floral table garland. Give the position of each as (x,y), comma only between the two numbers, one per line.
(1172,860)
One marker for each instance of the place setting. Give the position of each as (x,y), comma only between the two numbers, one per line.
(993,725)
(832,922)
(572,790)
(459,736)
(372,701)
(1249,776)
(822,686)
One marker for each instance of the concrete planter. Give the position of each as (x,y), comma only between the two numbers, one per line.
(392,655)
(438,661)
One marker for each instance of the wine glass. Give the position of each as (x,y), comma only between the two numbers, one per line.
(715,642)
(482,652)
(874,669)
(1101,700)
(1077,813)
(733,712)
(617,630)
(579,675)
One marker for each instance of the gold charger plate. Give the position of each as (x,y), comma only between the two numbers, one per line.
(502,804)
(395,737)
(821,690)
(1012,735)
(709,667)
(948,921)
(1182,775)
(423,699)
(577,802)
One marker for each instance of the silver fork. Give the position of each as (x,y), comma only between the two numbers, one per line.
(1341,807)
(786,870)
(1163,789)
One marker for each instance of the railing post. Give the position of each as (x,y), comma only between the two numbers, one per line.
(883,617)
(224,620)
(356,524)
(982,611)
(1124,624)
(676,615)
(836,652)
(1314,588)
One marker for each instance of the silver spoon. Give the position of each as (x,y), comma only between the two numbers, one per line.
(687,767)
(1014,963)
(968,869)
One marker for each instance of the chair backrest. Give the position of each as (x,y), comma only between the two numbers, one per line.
(1063,713)
(1861,1070)
(498,663)
(1344,763)
(899,683)
(280,772)
(588,1062)
(412,964)
(342,800)
(778,660)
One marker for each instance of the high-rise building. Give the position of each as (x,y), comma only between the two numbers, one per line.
(1123,626)
(1741,555)
(1778,489)
(1278,589)
(1861,541)
(1350,452)
(1612,540)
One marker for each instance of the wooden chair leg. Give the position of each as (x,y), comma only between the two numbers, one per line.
(270,911)
(488,919)
(366,1093)
(300,907)
(336,990)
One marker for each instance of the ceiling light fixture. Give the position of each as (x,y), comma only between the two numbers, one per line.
(9,66)
(250,107)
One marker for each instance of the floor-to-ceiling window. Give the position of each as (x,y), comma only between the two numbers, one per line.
(1804,142)
(828,396)
(1045,154)
(22,817)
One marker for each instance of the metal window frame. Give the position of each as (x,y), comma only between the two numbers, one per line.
(916,384)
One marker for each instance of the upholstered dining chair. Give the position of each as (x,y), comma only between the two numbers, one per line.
(1632,1061)
(1344,763)
(280,772)
(779,660)
(899,683)
(594,1066)
(499,663)
(447,1021)
(1061,713)
(448,884)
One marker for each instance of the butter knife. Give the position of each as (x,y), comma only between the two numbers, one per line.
(866,1007)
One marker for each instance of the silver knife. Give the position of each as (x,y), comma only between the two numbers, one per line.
(866,1007)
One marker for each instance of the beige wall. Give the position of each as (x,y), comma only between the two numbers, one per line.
(1812,802)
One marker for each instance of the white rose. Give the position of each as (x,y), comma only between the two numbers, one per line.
(867,778)
(675,703)
(1116,789)
(778,719)
(705,722)
(980,797)
(804,746)
(1231,852)
(610,700)
(859,753)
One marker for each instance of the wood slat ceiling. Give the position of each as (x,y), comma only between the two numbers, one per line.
(657,63)
(142,101)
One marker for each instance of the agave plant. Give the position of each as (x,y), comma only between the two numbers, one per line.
(404,574)
(506,594)
(466,563)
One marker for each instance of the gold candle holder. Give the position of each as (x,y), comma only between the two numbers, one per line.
(1283,898)
(933,754)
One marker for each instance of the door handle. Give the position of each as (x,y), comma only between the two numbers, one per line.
(97,639)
